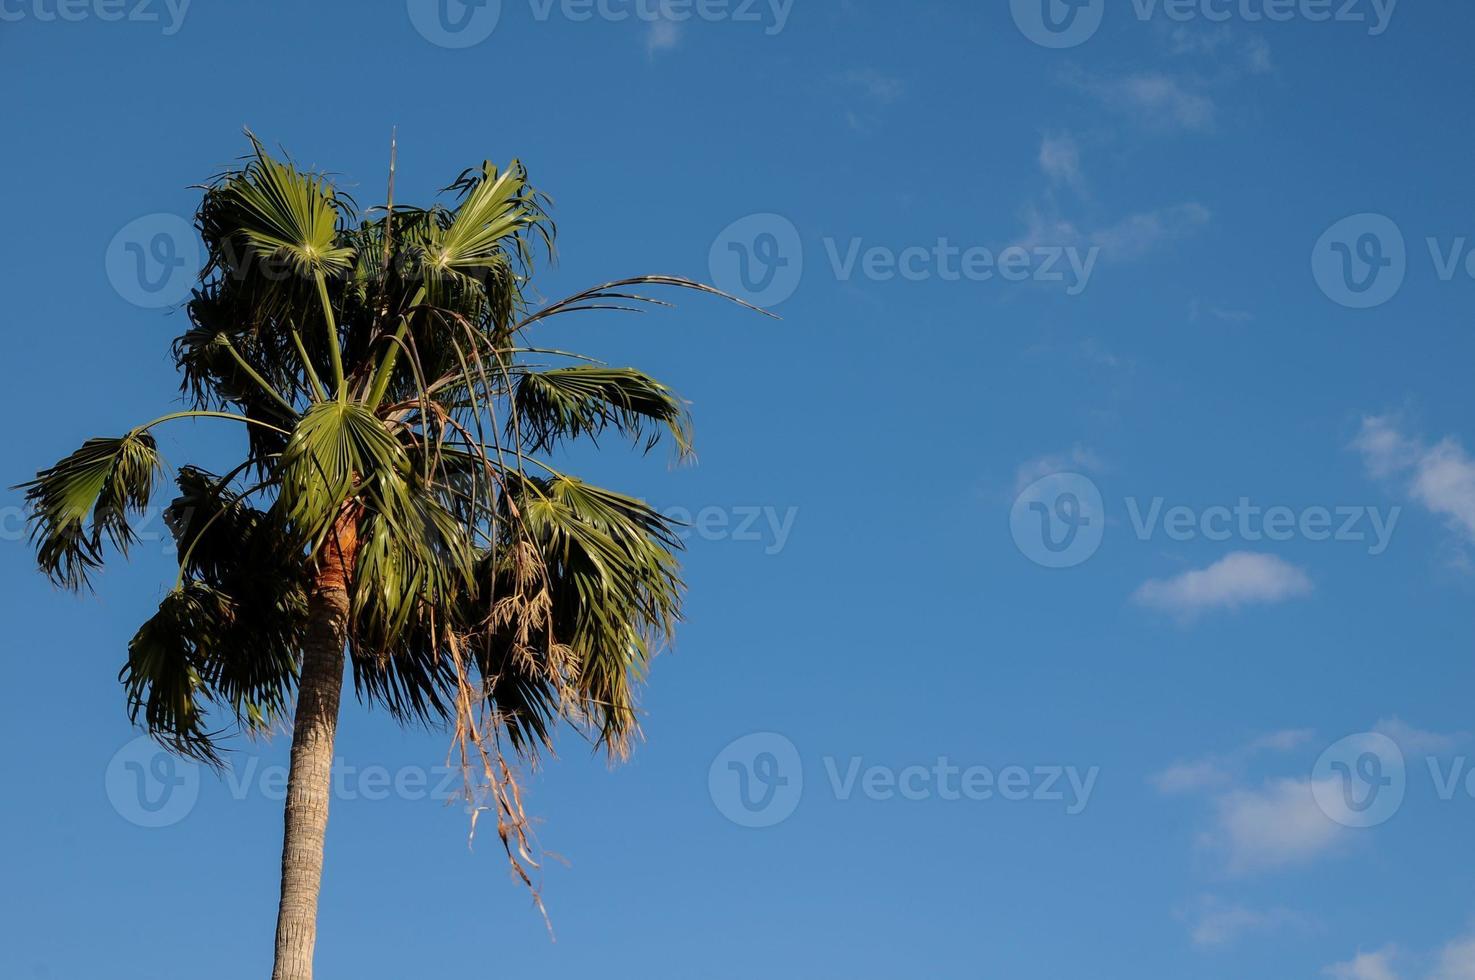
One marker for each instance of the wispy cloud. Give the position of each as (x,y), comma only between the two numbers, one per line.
(870,92)
(1218,771)
(1454,961)
(1132,237)
(1440,477)
(1247,53)
(1153,99)
(1255,828)
(1275,826)
(1238,580)
(1060,159)
(1365,966)
(1216,924)
(1191,777)
(1198,309)
(1079,459)
(661,35)
(1138,234)
(1264,824)
(1414,741)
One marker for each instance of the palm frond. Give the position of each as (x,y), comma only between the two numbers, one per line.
(583,400)
(269,216)
(615,590)
(336,448)
(205,648)
(106,478)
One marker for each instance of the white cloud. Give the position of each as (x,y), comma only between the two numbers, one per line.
(1456,961)
(661,35)
(1440,477)
(1444,482)
(1365,966)
(1077,460)
(880,88)
(1154,99)
(1060,159)
(1132,237)
(1257,56)
(1138,234)
(1239,579)
(1385,450)
(1048,229)
(1415,741)
(1284,741)
(872,91)
(1253,52)
(1189,777)
(1198,309)
(1219,770)
(1275,826)
(1217,924)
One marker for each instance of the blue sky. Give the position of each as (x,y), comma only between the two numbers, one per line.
(1081,568)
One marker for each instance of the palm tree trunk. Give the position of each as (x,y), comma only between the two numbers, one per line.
(310,780)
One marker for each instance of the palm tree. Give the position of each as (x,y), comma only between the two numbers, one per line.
(397,499)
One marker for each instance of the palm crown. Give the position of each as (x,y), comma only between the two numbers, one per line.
(399,438)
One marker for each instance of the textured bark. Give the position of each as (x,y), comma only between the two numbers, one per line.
(310,782)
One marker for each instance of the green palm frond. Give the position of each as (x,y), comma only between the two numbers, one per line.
(204,648)
(615,590)
(337,448)
(496,212)
(566,403)
(164,676)
(106,478)
(409,560)
(270,216)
